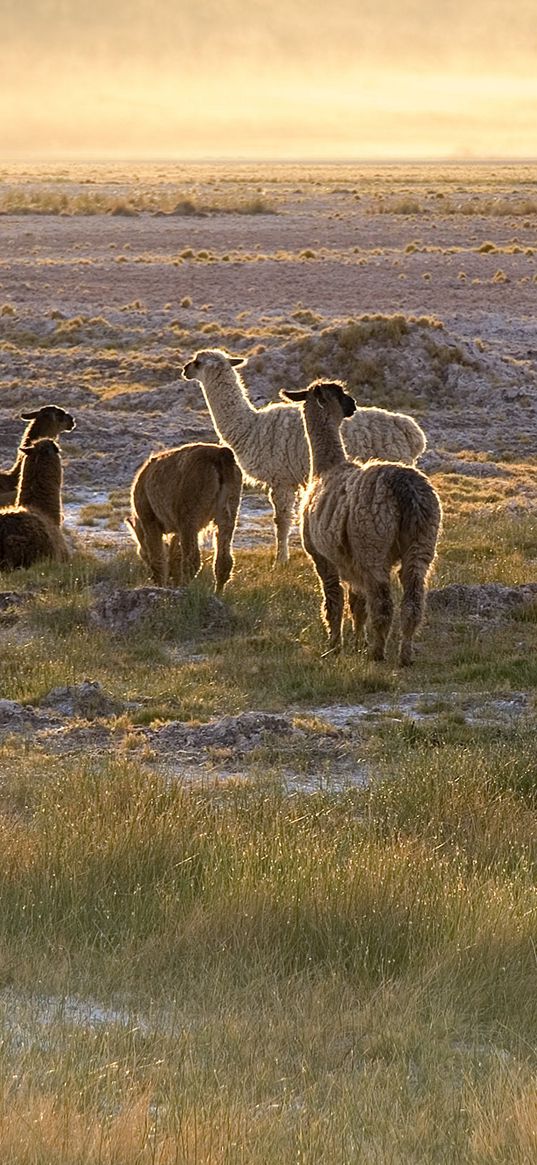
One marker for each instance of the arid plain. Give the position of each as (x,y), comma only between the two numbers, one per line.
(259,905)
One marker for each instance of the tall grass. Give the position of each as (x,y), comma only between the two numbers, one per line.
(319,978)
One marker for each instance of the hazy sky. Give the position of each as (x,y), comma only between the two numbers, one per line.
(268,78)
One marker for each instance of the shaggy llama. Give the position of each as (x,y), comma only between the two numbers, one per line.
(180,492)
(269,443)
(30,530)
(360,522)
(48,421)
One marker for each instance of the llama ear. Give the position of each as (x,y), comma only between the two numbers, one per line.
(30,415)
(295,395)
(236,361)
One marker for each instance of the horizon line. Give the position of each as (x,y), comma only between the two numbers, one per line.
(302,159)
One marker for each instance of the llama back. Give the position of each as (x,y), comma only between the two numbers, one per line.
(186,480)
(27,537)
(374,432)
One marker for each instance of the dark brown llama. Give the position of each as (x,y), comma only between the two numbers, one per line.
(30,530)
(180,492)
(48,421)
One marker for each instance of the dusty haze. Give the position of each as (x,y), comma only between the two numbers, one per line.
(288,78)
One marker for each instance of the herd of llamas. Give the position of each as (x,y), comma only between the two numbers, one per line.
(365,508)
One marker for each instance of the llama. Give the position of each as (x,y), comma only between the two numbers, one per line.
(270,445)
(30,530)
(48,421)
(358,522)
(180,492)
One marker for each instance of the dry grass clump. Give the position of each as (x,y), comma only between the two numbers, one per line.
(305,316)
(404,206)
(388,360)
(494,207)
(42,200)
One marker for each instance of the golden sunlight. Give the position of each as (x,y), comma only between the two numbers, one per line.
(276,80)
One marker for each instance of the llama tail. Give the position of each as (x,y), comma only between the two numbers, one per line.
(420,512)
(420,516)
(226,465)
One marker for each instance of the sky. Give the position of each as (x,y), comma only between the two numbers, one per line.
(324,79)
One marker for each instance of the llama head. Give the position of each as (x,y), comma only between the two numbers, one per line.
(50,420)
(330,396)
(208,359)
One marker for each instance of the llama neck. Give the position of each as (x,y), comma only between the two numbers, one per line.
(29,435)
(230,409)
(31,432)
(11,476)
(324,440)
(41,492)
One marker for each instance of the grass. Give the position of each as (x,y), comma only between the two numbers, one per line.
(305,978)
(232,974)
(52,201)
(270,656)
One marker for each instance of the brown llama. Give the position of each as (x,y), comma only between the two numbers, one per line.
(181,492)
(30,530)
(48,421)
(359,522)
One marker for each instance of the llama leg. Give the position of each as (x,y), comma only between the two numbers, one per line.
(176,560)
(153,552)
(223,559)
(333,602)
(334,599)
(412,608)
(282,500)
(358,609)
(380,611)
(191,557)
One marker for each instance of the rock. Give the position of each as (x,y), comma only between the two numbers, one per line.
(121,610)
(15,717)
(13,714)
(241,732)
(87,700)
(12,599)
(481,601)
